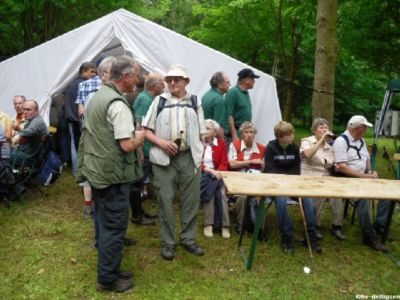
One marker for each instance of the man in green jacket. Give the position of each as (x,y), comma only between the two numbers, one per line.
(109,161)
(214,104)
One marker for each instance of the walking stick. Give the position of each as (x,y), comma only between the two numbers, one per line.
(305,227)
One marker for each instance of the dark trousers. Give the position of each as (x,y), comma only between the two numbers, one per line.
(64,139)
(112,212)
(135,199)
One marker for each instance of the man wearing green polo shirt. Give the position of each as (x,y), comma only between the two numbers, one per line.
(214,104)
(238,102)
(154,86)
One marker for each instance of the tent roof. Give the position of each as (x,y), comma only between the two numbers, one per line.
(44,71)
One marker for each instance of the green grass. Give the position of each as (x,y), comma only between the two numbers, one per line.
(47,253)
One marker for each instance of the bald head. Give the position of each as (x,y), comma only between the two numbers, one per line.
(154,84)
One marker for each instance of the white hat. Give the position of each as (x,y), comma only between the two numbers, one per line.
(177,71)
(358,120)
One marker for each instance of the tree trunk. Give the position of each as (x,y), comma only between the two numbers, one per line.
(325,60)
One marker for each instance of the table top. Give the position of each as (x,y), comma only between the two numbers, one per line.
(238,183)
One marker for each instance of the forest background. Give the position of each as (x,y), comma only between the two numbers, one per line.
(275,36)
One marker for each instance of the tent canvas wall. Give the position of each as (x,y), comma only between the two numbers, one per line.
(45,71)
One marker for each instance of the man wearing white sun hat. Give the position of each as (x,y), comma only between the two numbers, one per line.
(175,124)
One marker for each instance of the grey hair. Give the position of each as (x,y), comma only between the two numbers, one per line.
(122,65)
(217,79)
(20,96)
(247,125)
(35,104)
(215,124)
(106,64)
(152,79)
(317,122)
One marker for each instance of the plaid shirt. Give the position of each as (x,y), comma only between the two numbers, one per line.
(87,87)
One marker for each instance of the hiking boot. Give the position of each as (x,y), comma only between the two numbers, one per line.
(168,252)
(375,244)
(379,228)
(125,274)
(119,286)
(336,231)
(313,243)
(143,221)
(262,235)
(287,244)
(87,211)
(318,233)
(194,249)
(225,233)
(129,241)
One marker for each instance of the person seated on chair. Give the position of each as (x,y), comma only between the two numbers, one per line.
(212,189)
(282,157)
(29,140)
(4,146)
(245,155)
(316,159)
(6,123)
(353,160)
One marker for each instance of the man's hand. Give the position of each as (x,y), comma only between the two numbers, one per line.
(169,147)
(371,175)
(139,137)
(81,109)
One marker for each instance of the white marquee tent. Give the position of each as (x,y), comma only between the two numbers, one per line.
(44,71)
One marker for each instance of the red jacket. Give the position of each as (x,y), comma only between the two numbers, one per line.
(240,154)
(219,155)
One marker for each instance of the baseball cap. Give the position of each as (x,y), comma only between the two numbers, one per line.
(247,73)
(358,120)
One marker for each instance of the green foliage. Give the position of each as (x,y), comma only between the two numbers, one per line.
(276,36)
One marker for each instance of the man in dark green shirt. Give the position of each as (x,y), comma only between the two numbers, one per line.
(153,86)
(213,101)
(238,102)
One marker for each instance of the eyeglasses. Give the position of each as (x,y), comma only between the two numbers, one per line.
(169,80)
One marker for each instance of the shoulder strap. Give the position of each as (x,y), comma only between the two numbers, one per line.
(161,104)
(358,149)
(193,98)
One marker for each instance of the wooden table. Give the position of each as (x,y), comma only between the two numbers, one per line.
(303,186)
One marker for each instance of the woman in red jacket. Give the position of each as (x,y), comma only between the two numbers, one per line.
(213,198)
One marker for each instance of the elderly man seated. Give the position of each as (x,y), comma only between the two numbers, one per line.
(29,141)
(353,160)
(245,155)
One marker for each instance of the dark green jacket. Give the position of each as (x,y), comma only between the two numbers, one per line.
(101,159)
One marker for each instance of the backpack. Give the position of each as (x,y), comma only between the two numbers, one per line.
(162,105)
(50,170)
(358,149)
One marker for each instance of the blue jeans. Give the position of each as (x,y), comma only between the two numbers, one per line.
(383,212)
(74,132)
(285,222)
